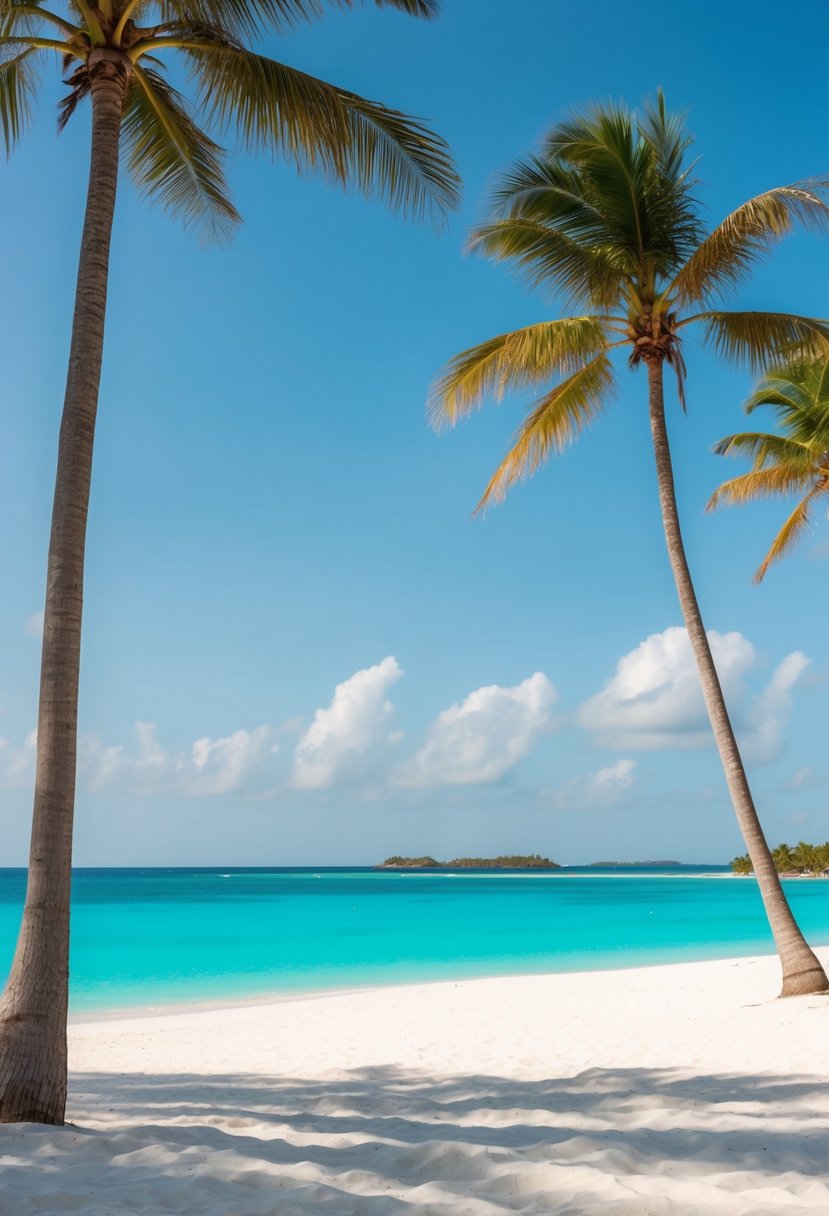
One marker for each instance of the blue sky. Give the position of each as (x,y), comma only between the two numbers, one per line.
(272,519)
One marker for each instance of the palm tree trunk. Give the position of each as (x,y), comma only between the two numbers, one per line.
(33,1008)
(802,973)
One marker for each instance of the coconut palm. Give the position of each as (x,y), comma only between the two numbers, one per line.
(782,857)
(806,857)
(605,218)
(116,54)
(742,864)
(792,460)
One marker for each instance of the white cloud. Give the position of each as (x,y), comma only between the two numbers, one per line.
(33,625)
(766,719)
(349,739)
(599,790)
(481,739)
(17,764)
(235,763)
(654,701)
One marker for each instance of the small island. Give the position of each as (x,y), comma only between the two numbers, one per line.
(531,861)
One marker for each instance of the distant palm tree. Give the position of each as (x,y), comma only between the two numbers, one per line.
(606,218)
(782,856)
(114,52)
(792,460)
(806,857)
(742,864)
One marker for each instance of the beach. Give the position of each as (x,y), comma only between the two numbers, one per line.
(651,1090)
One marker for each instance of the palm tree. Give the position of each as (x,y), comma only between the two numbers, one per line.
(792,460)
(782,857)
(742,865)
(805,857)
(605,217)
(115,53)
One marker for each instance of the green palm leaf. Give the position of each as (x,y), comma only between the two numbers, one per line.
(726,257)
(779,480)
(546,256)
(756,338)
(795,461)
(171,159)
(323,127)
(249,18)
(787,537)
(552,425)
(764,448)
(510,361)
(18,80)
(798,394)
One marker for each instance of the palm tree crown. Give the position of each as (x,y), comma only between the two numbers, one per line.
(792,460)
(605,218)
(178,162)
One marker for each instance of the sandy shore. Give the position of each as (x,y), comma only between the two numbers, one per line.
(659,1090)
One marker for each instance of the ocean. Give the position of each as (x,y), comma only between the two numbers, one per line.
(150,938)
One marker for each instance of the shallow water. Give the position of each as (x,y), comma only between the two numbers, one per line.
(160,936)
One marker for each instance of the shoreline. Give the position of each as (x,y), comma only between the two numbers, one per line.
(175,1008)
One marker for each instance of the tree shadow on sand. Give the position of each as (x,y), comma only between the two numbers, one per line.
(622,1141)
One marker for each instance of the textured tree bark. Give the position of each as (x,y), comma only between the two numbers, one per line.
(802,973)
(33,1008)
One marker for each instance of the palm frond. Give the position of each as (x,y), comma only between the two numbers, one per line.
(632,168)
(18,80)
(764,448)
(781,391)
(171,159)
(553,424)
(777,481)
(512,361)
(759,338)
(252,18)
(244,18)
(328,129)
(427,9)
(730,252)
(798,393)
(544,256)
(787,537)
(667,135)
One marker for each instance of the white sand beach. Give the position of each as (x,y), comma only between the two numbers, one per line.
(671,1089)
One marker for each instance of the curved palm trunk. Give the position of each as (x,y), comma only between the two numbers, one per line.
(34,1005)
(802,973)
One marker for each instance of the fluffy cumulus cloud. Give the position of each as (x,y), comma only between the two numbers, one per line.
(349,740)
(481,739)
(654,700)
(236,763)
(599,790)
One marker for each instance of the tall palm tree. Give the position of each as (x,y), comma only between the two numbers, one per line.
(605,217)
(792,460)
(115,52)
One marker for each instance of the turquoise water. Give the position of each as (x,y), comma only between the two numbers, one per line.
(154,937)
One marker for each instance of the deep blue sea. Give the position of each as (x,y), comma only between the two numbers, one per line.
(155,937)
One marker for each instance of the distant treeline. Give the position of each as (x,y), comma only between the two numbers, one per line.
(801,858)
(532,861)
